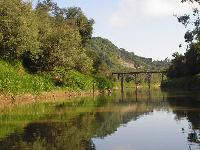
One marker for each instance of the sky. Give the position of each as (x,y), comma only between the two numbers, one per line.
(146,27)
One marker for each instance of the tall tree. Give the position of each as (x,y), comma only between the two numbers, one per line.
(188,64)
(18,29)
(77,19)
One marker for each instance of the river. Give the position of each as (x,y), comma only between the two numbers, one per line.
(135,120)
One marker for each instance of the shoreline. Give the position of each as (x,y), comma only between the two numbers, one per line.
(8,100)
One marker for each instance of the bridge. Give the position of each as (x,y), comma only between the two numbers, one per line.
(136,74)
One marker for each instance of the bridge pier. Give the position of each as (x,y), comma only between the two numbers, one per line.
(135,78)
(122,83)
(149,75)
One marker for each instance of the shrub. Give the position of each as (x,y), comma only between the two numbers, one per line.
(72,79)
(103,83)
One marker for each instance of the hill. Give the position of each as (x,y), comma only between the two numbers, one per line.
(103,51)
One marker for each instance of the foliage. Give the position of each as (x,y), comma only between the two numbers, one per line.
(18,29)
(102,51)
(40,39)
(108,57)
(189,63)
(103,83)
(15,80)
(56,48)
(175,70)
(77,19)
(73,79)
(190,82)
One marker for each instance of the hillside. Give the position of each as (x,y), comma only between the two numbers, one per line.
(53,48)
(103,51)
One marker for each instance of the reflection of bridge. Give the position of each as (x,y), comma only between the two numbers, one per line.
(136,74)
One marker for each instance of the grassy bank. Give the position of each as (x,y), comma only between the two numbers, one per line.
(190,82)
(15,80)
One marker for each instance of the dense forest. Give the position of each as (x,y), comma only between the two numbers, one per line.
(184,70)
(46,46)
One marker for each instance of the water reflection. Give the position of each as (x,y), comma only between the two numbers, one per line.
(136,119)
(187,106)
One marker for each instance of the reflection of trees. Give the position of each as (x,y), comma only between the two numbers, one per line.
(187,106)
(52,136)
(74,124)
(98,118)
(73,135)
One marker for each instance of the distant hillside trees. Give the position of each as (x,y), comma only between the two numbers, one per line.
(107,57)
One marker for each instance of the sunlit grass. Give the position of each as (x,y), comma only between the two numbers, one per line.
(15,80)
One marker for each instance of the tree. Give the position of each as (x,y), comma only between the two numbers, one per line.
(177,66)
(193,20)
(77,19)
(83,63)
(61,43)
(189,63)
(192,57)
(18,29)
(104,70)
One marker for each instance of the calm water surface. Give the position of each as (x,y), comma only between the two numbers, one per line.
(135,120)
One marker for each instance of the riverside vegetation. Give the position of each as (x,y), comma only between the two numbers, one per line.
(184,71)
(46,47)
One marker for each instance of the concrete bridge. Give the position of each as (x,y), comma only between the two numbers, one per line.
(136,74)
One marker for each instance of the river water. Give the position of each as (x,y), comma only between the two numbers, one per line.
(135,120)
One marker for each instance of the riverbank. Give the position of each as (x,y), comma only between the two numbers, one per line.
(190,82)
(15,79)
(8,100)
(18,86)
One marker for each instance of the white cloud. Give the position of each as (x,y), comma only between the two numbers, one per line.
(129,11)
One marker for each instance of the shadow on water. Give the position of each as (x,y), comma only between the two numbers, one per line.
(74,124)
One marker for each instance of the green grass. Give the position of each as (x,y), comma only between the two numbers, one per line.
(78,81)
(13,79)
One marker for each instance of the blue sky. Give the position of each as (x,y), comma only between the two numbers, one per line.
(145,27)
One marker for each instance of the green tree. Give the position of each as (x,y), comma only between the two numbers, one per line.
(104,70)
(177,67)
(192,57)
(77,19)
(188,64)
(18,29)
(61,43)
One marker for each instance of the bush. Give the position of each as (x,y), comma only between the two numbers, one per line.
(72,79)
(190,82)
(103,83)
